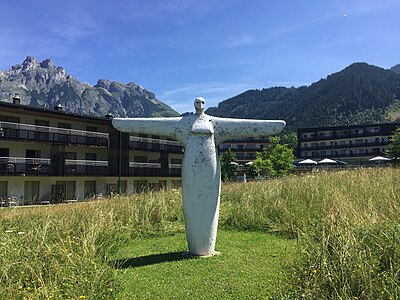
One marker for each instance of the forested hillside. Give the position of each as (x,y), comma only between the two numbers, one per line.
(359,94)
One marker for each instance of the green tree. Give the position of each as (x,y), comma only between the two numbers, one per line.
(277,160)
(290,139)
(227,168)
(261,167)
(394,147)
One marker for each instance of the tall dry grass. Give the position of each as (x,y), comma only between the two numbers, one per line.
(60,252)
(347,224)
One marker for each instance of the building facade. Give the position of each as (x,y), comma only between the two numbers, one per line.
(353,144)
(244,149)
(48,155)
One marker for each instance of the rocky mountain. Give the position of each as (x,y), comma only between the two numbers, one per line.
(43,84)
(396,68)
(359,94)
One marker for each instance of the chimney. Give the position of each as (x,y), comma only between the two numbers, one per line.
(16,99)
(58,107)
(109,116)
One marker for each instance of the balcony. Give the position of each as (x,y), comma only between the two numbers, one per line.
(24,166)
(349,145)
(341,136)
(244,149)
(27,132)
(157,145)
(175,170)
(145,169)
(74,167)
(249,140)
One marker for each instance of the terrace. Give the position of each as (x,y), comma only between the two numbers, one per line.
(28,132)
(86,167)
(24,166)
(158,145)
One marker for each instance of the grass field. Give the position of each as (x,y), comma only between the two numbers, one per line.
(249,267)
(328,235)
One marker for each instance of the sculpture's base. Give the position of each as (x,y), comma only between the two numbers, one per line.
(187,254)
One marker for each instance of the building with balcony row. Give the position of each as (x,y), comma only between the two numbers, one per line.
(52,155)
(245,149)
(354,144)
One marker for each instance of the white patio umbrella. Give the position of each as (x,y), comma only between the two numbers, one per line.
(233,163)
(249,163)
(379,158)
(327,161)
(308,161)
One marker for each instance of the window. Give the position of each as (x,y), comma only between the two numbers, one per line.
(4,152)
(67,190)
(42,123)
(176,161)
(140,186)
(32,153)
(64,125)
(111,189)
(373,129)
(3,189)
(176,183)
(91,128)
(31,192)
(70,155)
(141,159)
(90,156)
(90,189)
(9,119)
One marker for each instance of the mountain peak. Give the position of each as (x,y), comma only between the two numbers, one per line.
(43,84)
(29,63)
(47,64)
(396,69)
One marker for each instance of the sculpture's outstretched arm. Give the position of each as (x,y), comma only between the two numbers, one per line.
(168,127)
(238,128)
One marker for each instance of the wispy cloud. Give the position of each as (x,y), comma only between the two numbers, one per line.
(78,24)
(181,99)
(361,7)
(179,11)
(243,39)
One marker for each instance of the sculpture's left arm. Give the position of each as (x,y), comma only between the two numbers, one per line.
(239,128)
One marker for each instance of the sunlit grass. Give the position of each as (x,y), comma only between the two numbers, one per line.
(250,267)
(345,226)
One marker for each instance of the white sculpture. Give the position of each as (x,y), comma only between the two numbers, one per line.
(201,175)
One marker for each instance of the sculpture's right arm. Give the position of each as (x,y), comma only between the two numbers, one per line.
(168,127)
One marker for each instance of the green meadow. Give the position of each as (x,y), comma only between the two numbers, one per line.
(323,235)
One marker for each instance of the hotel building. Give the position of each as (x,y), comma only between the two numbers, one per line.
(354,144)
(244,149)
(49,155)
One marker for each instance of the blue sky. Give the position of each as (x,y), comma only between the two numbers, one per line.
(216,49)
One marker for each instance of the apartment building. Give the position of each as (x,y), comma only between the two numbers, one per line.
(354,144)
(49,155)
(244,149)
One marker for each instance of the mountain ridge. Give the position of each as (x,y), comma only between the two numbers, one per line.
(43,84)
(358,94)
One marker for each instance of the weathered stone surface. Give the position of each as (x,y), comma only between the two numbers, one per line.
(201,173)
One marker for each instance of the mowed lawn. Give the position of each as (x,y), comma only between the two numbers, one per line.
(250,266)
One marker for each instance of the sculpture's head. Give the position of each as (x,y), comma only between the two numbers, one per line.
(199,105)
